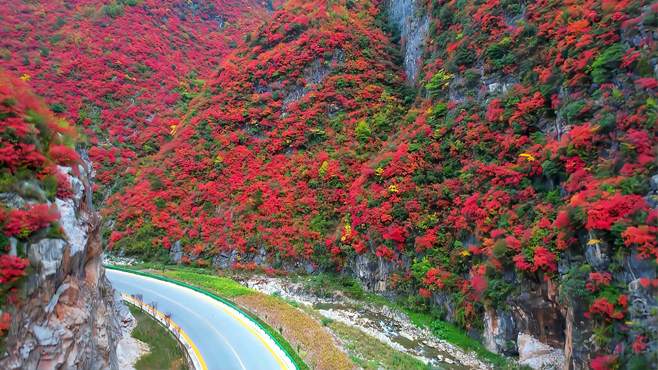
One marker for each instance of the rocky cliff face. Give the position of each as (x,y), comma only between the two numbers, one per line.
(57,309)
(67,318)
(413,25)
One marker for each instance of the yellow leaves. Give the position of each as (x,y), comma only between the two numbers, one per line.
(593,241)
(75,38)
(25,77)
(393,189)
(324,167)
(219,159)
(347,233)
(529,157)
(439,82)
(173,129)
(465,253)
(379,172)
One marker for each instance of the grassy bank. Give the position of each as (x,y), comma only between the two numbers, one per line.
(165,351)
(369,353)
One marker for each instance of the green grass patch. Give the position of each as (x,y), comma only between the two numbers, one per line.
(222,286)
(165,351)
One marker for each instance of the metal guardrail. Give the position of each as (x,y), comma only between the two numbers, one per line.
(191,350)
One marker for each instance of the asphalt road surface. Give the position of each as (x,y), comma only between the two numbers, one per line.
(225,338)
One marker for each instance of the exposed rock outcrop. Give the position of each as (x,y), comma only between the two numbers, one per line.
(67,319)
(538,355)
(413,26)
(373,272)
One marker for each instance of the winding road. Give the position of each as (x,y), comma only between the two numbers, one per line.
(224,337)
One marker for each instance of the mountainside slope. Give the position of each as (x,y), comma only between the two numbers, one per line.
(514,198)
(265,153)
(521,200)
(121,69)
(508,185)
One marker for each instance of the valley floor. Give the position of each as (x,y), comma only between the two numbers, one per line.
(341,327)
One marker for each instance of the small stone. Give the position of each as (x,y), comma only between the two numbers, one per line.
(26,348)
(654,182)
(45,336)
(538,355)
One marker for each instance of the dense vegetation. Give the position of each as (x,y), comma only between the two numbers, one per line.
(526,148)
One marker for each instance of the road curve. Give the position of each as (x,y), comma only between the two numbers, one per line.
(226,339)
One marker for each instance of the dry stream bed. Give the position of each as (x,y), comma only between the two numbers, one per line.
(386,324)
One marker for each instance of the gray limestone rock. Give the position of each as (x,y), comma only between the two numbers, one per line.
(414,27)
(596,253)
(47,254)
(176,252)
(45,336)
(500,332)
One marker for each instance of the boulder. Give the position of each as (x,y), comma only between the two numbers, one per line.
(224,260)
(12,200)
(176,252)
(372,271)
(597,253)
(538,355)
(75,226)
